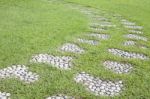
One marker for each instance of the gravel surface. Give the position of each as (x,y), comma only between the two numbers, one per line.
(100,36)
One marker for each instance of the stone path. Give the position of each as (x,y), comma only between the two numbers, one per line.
(19,71)
(95,85)
(61,62)
(5,95)
(60,96)
(118,67)
(99,86)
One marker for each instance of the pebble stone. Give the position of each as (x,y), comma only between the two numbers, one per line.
(5,95)
(98,86)
(126,22)
(117,67)
(91,42)
(129,43)
(136,31)
(102,24)
(60,96)
(69,47)
(97,29)
(19,71)
(126,54)
(137,37)
(133,27)
(100,36)
(61,62)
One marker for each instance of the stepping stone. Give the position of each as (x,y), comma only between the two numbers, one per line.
(97,29)
(117,67)
(100,36)
(126,54)
(91,42)
(137,37)
(136,31)
(126,22)
(98,86)
(132,43)
(60,97)
(134,27)
(69,47)
(61,62)
(99,18)
(19,71)
(5,95)
(102,25)
(129,43)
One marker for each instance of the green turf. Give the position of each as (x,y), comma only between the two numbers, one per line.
(28,27)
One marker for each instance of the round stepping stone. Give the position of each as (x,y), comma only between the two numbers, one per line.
(68,47)
(5,95)
(61,62)
(126,22)
(19,71)
(102,25)
(137,37)
(97,29)
(100,36)
(136,31)
(126,54)
(60,96)
(133,27)
(117,67)
(129,43)
(91,42)
(98,86)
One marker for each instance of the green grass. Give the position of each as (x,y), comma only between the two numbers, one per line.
(28,27)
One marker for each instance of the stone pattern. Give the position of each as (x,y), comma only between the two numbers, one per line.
(60,96)
(102,24)
(100,36)
(62,62)
(129,43)
(126,54)
(136,31)
(137,37)
(5,95)
(91,42)
(126,22)
(98,86)
(68,47)
(117,67)
(19,71)
(134,27)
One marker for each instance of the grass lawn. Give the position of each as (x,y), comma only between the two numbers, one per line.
(29,27)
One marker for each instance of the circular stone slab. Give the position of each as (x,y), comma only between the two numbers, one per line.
(126,54)
(61,62)
(60,96)
(5,95)
(68,47)
(98,86)
(137,37)
(117,67)
(19,71)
